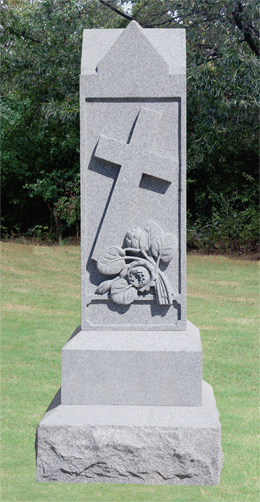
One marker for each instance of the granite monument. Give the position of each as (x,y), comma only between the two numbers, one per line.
(133,407)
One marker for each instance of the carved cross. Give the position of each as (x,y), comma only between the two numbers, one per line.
(135,159)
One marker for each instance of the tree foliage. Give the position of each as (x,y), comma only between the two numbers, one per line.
(41,48)
(223,93)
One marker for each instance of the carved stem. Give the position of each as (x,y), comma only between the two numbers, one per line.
(157,264)
(132,250)
(127,258)
(148,258)
(167,287)
(136,258)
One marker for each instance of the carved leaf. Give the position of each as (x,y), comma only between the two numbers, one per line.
(122,292)
(112,263)
(129,239)
(170,245)
(137,239)
(156,238)
(104,287)
(144,241)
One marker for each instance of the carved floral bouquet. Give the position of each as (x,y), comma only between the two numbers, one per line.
(137,266)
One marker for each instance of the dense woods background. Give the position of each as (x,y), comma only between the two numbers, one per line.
(41,49)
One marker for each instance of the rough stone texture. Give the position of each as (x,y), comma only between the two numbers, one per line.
(131,444)
(133,164)
(134,368)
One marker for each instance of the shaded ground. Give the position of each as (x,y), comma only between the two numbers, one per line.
(73,241)
(254,256)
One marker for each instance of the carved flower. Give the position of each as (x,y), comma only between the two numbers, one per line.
(140,275)
(137,265)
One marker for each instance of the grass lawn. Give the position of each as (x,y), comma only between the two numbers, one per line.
(41,309)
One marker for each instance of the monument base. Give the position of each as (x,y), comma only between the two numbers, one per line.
(132,368)
(172,445)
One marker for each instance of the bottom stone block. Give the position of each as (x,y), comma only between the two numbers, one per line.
(173,445)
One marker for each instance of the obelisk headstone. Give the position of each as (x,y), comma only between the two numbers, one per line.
(133,174)
(133,406)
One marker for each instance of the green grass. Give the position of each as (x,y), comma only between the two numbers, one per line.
(40,310)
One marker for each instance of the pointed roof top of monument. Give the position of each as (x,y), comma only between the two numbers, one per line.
(144,50)
(135,24)
(134,54)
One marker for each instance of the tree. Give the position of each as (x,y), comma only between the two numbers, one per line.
(40,65)
(41,50)
(222,118)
